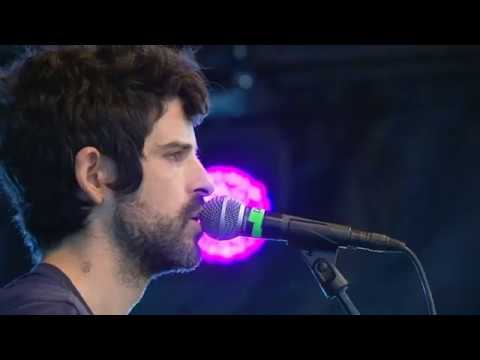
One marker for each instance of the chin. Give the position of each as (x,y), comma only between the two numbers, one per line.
(191,259)
(179,269)
(194,259)
(186,261)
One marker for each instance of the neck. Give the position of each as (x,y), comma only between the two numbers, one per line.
(107,283)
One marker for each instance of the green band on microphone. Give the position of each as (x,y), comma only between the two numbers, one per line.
(256,218)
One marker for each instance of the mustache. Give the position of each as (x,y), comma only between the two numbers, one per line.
(193,207)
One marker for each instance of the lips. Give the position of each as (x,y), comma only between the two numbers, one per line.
(195,210)
(196,218)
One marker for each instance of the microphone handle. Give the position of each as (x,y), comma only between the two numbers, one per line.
(307,234)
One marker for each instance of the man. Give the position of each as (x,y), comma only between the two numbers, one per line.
(100,162)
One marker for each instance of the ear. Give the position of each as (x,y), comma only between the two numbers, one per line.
(93,173)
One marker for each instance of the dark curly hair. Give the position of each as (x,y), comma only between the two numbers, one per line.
(60,99)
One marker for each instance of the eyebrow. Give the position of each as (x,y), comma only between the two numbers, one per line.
(176,145)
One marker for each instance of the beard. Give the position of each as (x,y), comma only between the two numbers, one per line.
(152,244)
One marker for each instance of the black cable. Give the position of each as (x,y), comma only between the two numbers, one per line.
(418,266)
(423,280)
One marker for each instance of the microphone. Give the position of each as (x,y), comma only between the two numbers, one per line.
(223,218)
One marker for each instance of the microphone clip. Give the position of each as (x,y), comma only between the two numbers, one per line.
(322,264)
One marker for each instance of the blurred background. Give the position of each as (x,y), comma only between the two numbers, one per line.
(382,138)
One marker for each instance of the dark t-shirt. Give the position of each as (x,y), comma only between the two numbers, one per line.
(45,290)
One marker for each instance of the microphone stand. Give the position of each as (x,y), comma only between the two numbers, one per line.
(331,281)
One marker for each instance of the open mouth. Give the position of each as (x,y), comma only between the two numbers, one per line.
(196,216)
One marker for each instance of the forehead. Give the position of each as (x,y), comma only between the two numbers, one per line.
(172,126)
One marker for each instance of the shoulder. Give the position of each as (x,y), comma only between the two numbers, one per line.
(32,295)
(29,305)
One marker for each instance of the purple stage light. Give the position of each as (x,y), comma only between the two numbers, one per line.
(239,185)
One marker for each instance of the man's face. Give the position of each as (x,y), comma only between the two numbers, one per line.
(156,227)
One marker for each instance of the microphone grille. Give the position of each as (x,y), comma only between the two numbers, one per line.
(221,218)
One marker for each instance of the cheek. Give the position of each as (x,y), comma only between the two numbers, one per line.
(162,188)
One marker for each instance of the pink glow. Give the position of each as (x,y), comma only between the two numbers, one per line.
(239,185)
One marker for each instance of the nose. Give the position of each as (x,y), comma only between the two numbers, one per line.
(204,187)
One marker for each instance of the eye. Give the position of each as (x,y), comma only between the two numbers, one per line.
(177,156)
